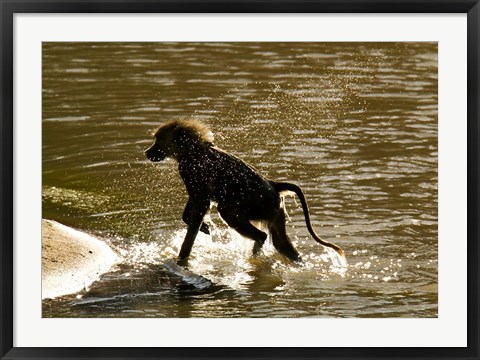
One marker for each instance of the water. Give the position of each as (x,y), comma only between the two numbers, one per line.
(354,124)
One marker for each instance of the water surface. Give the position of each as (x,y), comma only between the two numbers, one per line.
(354,124)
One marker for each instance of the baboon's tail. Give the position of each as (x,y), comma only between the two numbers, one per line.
(297,190)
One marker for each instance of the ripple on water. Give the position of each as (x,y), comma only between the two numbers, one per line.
(355,124)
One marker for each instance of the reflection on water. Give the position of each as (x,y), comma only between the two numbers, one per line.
(354,124)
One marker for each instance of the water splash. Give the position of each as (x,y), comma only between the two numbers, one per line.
(339,263)
(226,258)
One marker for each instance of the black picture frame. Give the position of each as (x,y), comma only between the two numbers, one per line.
(10,7)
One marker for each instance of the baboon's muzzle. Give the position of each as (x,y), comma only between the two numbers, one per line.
(154,154)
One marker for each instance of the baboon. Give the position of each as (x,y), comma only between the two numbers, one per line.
(242,195)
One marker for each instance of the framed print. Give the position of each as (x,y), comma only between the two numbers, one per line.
(239,179)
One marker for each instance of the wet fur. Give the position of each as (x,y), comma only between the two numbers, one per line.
(241,193)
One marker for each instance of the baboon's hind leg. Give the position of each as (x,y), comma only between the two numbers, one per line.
(242,225)
(280,238)
(256,248)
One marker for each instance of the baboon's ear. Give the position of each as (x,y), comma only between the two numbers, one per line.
(182,137)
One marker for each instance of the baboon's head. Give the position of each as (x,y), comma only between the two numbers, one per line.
(178,137)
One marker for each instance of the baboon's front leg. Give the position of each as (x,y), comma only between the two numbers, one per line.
(197,213)
(186,217)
